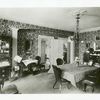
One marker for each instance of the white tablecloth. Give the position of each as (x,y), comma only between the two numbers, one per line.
(75,74)
(29,61)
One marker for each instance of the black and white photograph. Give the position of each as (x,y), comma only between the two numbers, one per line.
(50,50)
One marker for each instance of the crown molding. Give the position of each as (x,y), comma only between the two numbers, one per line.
(90,29)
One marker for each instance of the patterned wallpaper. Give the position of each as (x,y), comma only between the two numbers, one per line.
(31,32)
(20,25)
(4,29)
(87,37)
(6,34)
(32,35)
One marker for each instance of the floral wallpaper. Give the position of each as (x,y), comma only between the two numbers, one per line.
(4,29)
(6,34)
(31,32)
(32,35)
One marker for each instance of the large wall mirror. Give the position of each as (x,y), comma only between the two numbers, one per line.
(28,48)
(4,47)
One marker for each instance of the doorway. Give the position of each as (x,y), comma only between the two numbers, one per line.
(55,48)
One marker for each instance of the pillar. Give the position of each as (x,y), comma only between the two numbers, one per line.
(14,43)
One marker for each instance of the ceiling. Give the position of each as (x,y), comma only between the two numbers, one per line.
(54,17)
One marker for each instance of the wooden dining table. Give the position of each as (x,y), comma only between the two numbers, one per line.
(75,73)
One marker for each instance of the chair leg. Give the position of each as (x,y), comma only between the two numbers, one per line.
(60,87)
(93,89)
(68,85)
(0,87)
(84,87)
(2,84)
(54,83)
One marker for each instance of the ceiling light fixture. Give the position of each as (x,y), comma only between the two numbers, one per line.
(77,17)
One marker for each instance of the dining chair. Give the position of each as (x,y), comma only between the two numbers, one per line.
(58,77)
(59,61)
(39,64)
(92,80)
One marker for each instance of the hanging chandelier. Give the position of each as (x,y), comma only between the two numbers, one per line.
(76,35)
(78,17)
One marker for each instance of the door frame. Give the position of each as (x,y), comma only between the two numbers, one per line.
(72,48)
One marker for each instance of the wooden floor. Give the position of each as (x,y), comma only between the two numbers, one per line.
(43,84)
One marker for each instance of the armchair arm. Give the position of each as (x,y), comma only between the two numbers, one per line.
(91,76)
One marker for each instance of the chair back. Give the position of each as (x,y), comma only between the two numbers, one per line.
(59,61)
(39,59)
(57,72)
(97,74)
(94,76)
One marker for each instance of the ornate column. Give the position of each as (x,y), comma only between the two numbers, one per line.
(76,36)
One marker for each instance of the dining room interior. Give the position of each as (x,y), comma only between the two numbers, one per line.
(50,50)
